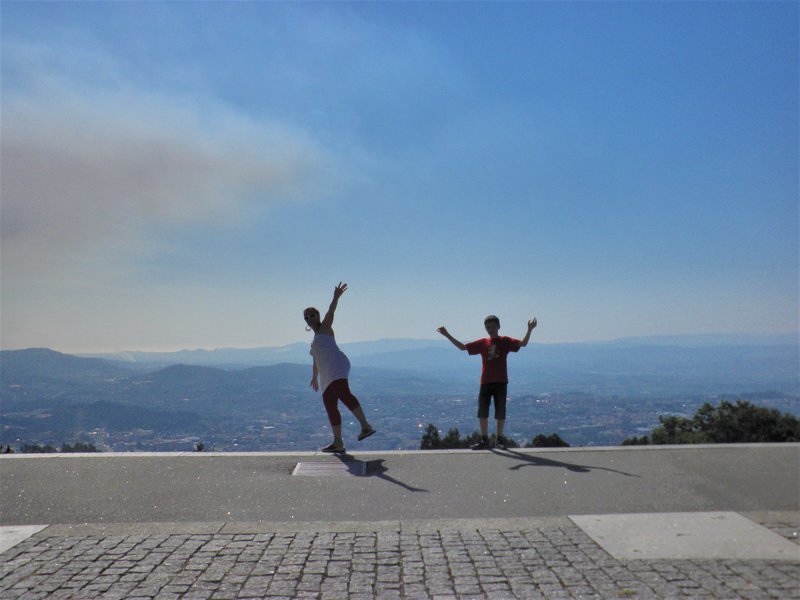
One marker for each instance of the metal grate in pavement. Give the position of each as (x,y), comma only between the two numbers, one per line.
(325,469)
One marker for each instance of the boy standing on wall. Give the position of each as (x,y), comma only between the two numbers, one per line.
(494,375)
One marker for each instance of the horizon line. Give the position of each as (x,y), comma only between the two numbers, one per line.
(795,334)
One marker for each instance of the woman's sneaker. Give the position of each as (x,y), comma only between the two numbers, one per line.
(333,448)
(365,433)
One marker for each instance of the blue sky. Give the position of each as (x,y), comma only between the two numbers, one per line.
(192,175)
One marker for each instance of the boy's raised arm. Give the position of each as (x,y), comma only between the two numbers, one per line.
(531,325)
(456,343)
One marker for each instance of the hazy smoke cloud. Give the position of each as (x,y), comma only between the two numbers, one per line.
(86,171)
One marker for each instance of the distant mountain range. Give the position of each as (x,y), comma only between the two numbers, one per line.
(703,364)
(662,364)
(391,350)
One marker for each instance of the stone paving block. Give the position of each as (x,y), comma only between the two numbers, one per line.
(197,595)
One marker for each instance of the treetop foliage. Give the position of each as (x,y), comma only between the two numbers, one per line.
(727,423)
(432,440)
(46,449)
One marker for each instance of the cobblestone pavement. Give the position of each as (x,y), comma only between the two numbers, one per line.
(547,560)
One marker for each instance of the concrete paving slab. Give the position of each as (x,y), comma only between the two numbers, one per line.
(12,535)
(672,536)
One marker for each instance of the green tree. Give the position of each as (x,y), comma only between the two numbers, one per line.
(634,441)
(743,422)
(79,447)
(452,440)
(37,449)
(727,423)
(676,430)
(431,440)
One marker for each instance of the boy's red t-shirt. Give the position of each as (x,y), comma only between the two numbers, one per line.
(493,354)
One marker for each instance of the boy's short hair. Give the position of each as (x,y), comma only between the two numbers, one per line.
(491,319)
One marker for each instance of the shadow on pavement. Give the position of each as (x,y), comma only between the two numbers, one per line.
(537,461)
(373,468)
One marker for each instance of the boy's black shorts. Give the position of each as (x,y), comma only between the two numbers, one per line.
(499,391)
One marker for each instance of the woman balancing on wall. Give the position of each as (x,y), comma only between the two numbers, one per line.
(331,370)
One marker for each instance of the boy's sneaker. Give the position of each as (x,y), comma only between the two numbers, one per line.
(483,444)
(501,443)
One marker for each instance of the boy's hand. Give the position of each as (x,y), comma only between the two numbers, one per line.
(532,324)
(315,385)
(442,330)
(339,290)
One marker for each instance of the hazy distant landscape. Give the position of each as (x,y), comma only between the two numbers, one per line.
(259,399)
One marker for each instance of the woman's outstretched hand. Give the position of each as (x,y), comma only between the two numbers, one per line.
(339,290)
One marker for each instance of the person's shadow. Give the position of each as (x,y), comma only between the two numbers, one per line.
(529,460)
(373,468)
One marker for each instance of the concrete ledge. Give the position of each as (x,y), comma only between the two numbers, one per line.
(648,448)
(655,523)
(511,524)
(127,529)
(245,527)
(312,526)
(255,527)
